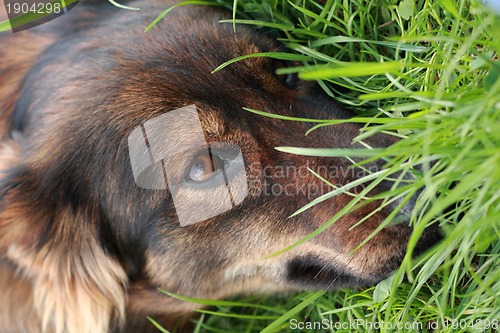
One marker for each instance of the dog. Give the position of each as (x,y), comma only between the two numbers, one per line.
(90,226)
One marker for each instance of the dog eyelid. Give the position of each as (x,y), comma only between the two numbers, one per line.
(208,164)
(204,167)
(290,80)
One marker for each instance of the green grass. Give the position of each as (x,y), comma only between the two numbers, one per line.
(428,72)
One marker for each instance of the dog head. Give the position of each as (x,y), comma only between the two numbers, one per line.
(126,136)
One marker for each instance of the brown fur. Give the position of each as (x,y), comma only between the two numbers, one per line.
(84,249)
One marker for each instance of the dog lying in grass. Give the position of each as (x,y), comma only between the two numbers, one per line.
(90,226)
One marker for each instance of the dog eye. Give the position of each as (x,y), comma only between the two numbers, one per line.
(204,167)
(290,80)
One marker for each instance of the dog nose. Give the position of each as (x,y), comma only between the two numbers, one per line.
(431,235)
(391,188)
(404,206)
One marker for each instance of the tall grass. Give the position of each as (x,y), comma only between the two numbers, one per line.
(428,72)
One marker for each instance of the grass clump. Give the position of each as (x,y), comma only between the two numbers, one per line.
(428,72)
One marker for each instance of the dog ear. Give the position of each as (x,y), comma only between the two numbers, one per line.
(76,285)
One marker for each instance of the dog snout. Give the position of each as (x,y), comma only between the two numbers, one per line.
(383,249)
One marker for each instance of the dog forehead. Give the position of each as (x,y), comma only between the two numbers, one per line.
(203,34)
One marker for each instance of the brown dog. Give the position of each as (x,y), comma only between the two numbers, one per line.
(89,230)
